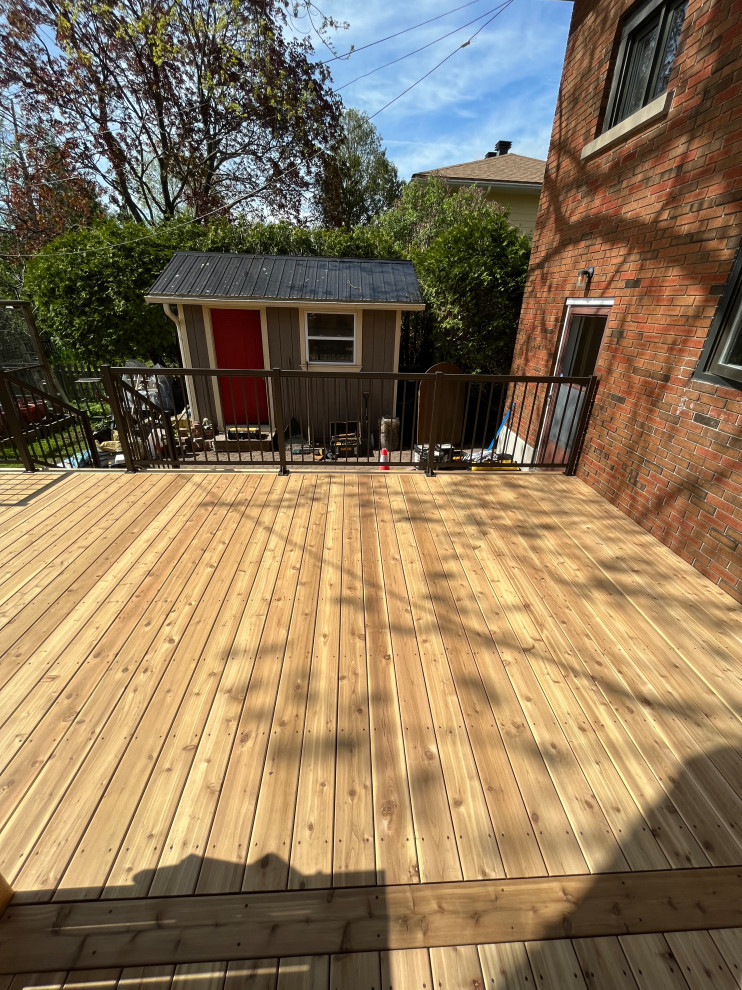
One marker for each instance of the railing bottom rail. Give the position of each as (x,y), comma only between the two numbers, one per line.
(227,418)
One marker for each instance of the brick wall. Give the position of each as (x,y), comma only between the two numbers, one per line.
(659,216)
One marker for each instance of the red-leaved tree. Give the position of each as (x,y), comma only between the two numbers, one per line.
(173,105)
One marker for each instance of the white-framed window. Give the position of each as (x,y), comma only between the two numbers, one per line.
(331,338)
(649,44)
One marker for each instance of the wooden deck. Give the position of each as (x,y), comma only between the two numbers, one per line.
(337,731)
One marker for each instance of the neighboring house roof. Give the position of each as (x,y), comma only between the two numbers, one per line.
(500,170)
(276,279)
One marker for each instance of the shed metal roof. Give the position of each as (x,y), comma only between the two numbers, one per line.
(203,275)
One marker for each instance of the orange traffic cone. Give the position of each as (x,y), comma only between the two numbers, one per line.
(384,460)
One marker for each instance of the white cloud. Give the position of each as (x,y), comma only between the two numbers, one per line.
(502,86)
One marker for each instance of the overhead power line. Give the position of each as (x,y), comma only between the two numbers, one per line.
(416,51)
(397,34)
(266,185)
(503,6)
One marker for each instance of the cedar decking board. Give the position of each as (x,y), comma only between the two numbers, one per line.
(191,929)
(214,684)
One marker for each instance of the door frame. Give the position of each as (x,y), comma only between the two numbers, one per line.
(574,307)
(211,348)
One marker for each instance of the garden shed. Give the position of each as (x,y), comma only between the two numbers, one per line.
(294,313)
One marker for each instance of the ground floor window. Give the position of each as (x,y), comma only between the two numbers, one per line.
(722,355)
(331,338)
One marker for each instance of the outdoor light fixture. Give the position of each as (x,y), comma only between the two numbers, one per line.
(585,275)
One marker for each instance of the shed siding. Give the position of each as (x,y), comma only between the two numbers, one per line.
(379,331)
(201,393)
(378,340)
(283,338)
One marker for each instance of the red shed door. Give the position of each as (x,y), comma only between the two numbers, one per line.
(238,343)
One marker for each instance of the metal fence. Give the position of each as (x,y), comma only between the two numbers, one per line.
(39,429)
(203,417)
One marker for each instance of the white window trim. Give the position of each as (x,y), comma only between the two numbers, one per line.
(355,365)
(573,305)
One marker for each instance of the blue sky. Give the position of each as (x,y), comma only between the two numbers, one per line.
(503,86)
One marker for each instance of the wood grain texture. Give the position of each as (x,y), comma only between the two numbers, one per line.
(362,919)
(225,684)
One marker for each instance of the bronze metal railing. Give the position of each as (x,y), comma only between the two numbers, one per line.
(202,417)
(40,430)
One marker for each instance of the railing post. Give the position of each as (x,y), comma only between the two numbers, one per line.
(170,437)
(7,401)
(118,416)
(278,418)
(430,468)
(88,431)
(574,456)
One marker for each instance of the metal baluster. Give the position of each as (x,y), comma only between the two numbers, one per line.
(278,412)
(592,391)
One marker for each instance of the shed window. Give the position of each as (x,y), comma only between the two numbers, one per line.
(646,54)
(331,338)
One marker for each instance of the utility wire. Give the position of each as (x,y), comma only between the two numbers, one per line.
(266,185)
(422,48)
(398,34)
(417,82)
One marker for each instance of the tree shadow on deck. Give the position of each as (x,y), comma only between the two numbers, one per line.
(218,935)
(328,938)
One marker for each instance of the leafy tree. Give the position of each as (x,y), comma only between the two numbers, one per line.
(174,104)
(41,194)
(427,209)
(89,293)
(471,264)
(358,182)
(473,276)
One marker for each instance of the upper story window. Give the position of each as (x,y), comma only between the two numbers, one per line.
(722,355)
(331,338)
(648,47)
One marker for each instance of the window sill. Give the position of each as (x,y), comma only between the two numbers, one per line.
(711,379)
(331,366)
(637,121)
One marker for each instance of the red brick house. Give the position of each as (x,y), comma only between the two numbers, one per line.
(636,271)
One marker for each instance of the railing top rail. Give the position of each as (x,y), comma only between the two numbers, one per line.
(23,367)
(345,375)
(46,396)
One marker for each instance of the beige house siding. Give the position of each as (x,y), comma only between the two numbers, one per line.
(523,207)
